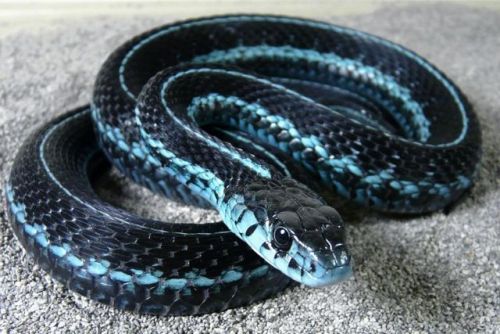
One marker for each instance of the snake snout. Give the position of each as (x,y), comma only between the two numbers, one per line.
(330,259)
(322,241)
(328,267)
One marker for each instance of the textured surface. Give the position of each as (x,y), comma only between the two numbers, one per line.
(433,272)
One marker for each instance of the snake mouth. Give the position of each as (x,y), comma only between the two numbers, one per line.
(328,268)
(330,276)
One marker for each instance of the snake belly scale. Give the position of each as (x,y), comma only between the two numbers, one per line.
(252,116)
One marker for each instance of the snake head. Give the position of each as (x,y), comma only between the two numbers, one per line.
(294,230)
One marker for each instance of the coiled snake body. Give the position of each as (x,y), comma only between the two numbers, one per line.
(252,116)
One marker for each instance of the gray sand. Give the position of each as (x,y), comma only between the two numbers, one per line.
(438,273)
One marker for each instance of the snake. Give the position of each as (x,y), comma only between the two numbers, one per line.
(269,120)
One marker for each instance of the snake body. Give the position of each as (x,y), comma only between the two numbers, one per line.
(252,116)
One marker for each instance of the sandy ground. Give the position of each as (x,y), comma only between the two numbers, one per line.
(438,273)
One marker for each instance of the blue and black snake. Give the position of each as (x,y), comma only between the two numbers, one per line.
(253,116)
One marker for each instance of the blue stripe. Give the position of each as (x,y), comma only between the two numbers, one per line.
(340,165)
(334,64)
(260,149)
(313,24)
(101,267)
(233,154)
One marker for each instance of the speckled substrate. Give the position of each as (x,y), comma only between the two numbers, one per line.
(438,273)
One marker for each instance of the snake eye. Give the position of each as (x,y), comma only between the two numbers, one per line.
(282,238)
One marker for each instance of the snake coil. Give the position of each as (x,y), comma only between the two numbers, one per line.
(252,116)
